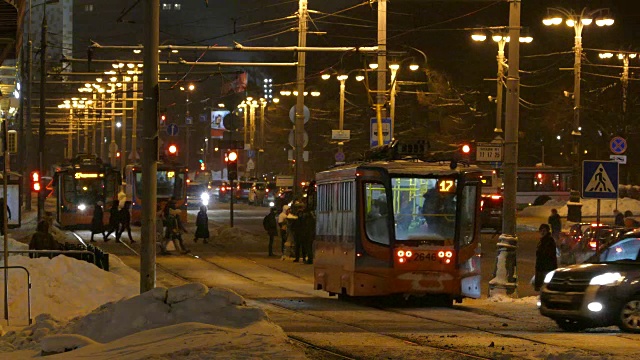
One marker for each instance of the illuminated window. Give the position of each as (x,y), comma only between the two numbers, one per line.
(166,6)
(177,6)
(88,7)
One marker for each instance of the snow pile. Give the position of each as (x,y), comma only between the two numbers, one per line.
(589,208)
(233,237)
(64,286)
(12,245)
(186,322)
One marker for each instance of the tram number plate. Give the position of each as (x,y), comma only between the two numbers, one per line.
(425,257)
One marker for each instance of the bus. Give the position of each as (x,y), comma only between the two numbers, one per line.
(536,184)
(398,227)
(172,186)
(79,185)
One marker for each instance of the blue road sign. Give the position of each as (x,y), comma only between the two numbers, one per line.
(172,129)
(618,145)
(599,179)
(386,131)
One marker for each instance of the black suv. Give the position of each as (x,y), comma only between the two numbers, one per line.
(491,211)
(603,291)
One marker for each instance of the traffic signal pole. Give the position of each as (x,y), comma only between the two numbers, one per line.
(299,122)
(150,145)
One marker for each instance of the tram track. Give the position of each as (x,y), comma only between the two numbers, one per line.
(334,353)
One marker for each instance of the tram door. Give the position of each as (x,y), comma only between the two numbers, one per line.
(468,239)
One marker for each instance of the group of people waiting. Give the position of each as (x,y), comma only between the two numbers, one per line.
(296,228)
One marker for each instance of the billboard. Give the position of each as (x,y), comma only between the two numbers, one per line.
(217,123)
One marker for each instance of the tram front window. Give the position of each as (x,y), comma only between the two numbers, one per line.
(424,208)
(169,184)
(87,191)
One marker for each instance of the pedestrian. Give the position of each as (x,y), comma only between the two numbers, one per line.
(270,224)
(114,221)
(97,221)
(282,226)
(555,223)
(125,221)
(618,218)
(629,221)
(174,230)
(296,226)
(306,231)
(161,240)
(202,225)
(253,194)
(42,239)
(546,260)
(2,205)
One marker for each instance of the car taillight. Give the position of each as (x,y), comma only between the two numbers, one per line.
(266,190)
(403,255)
(481,205)
(593,244)
(223,189)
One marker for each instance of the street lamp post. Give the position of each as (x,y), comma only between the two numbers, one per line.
(577,21)
(501,39)
(342,78)
(190,88)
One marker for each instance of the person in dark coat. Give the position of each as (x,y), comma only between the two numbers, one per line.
(618,219)
(202,225)
(42,239)
(307,229)
(546,260)
(270,224)
(555,223)
(2,204)
(97,222)
(125,221)
(114,220)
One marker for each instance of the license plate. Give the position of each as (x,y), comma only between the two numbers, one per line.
(561,298)
(424,257)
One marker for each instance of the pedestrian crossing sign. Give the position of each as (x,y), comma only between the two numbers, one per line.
(599,179)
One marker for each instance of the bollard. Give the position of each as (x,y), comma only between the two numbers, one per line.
(505,275)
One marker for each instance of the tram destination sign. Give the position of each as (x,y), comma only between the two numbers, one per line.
(489,152)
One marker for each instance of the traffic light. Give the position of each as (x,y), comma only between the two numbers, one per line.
(203,167)
(118,154)
(163,119)
(35,181)
(173,150)
(231,158)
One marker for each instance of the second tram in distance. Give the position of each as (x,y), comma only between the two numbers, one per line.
(171,186)
(399,227)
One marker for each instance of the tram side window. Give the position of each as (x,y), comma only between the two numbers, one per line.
(468,214)
(377,217)
(69,188)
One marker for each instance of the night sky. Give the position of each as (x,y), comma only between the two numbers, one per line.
(441,29)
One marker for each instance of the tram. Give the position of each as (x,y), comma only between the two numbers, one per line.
(399,226)
(79,185)
(171,185)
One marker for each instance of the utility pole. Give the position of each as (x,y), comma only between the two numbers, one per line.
(113,147)
(101,113)
(134,121)
(299,122)
(381,88)
(150,145)
(507,277)
(123,141)
(41,129)
(28,143)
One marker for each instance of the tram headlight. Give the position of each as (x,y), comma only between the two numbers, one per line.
(204,198)
(82,207)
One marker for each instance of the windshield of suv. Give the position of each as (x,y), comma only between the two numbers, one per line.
(626,249)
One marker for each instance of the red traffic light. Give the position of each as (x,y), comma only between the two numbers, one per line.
(173,149)
(466,149)
(232,156)
(118,154)
(35,181)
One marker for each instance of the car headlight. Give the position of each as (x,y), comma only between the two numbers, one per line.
(205,198)
(82,207)
(549,276)
(611,278)
(272,204)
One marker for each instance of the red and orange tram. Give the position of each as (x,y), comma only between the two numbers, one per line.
(398,227)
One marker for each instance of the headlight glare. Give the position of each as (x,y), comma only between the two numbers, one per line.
(549,276)
(611,278)
(82,207)
(205,198)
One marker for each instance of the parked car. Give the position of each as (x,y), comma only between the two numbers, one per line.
(491,211)
(284,197)
(269,197)
(224,192)
(197,194)
(214,187)
(603,291)
(242,190)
